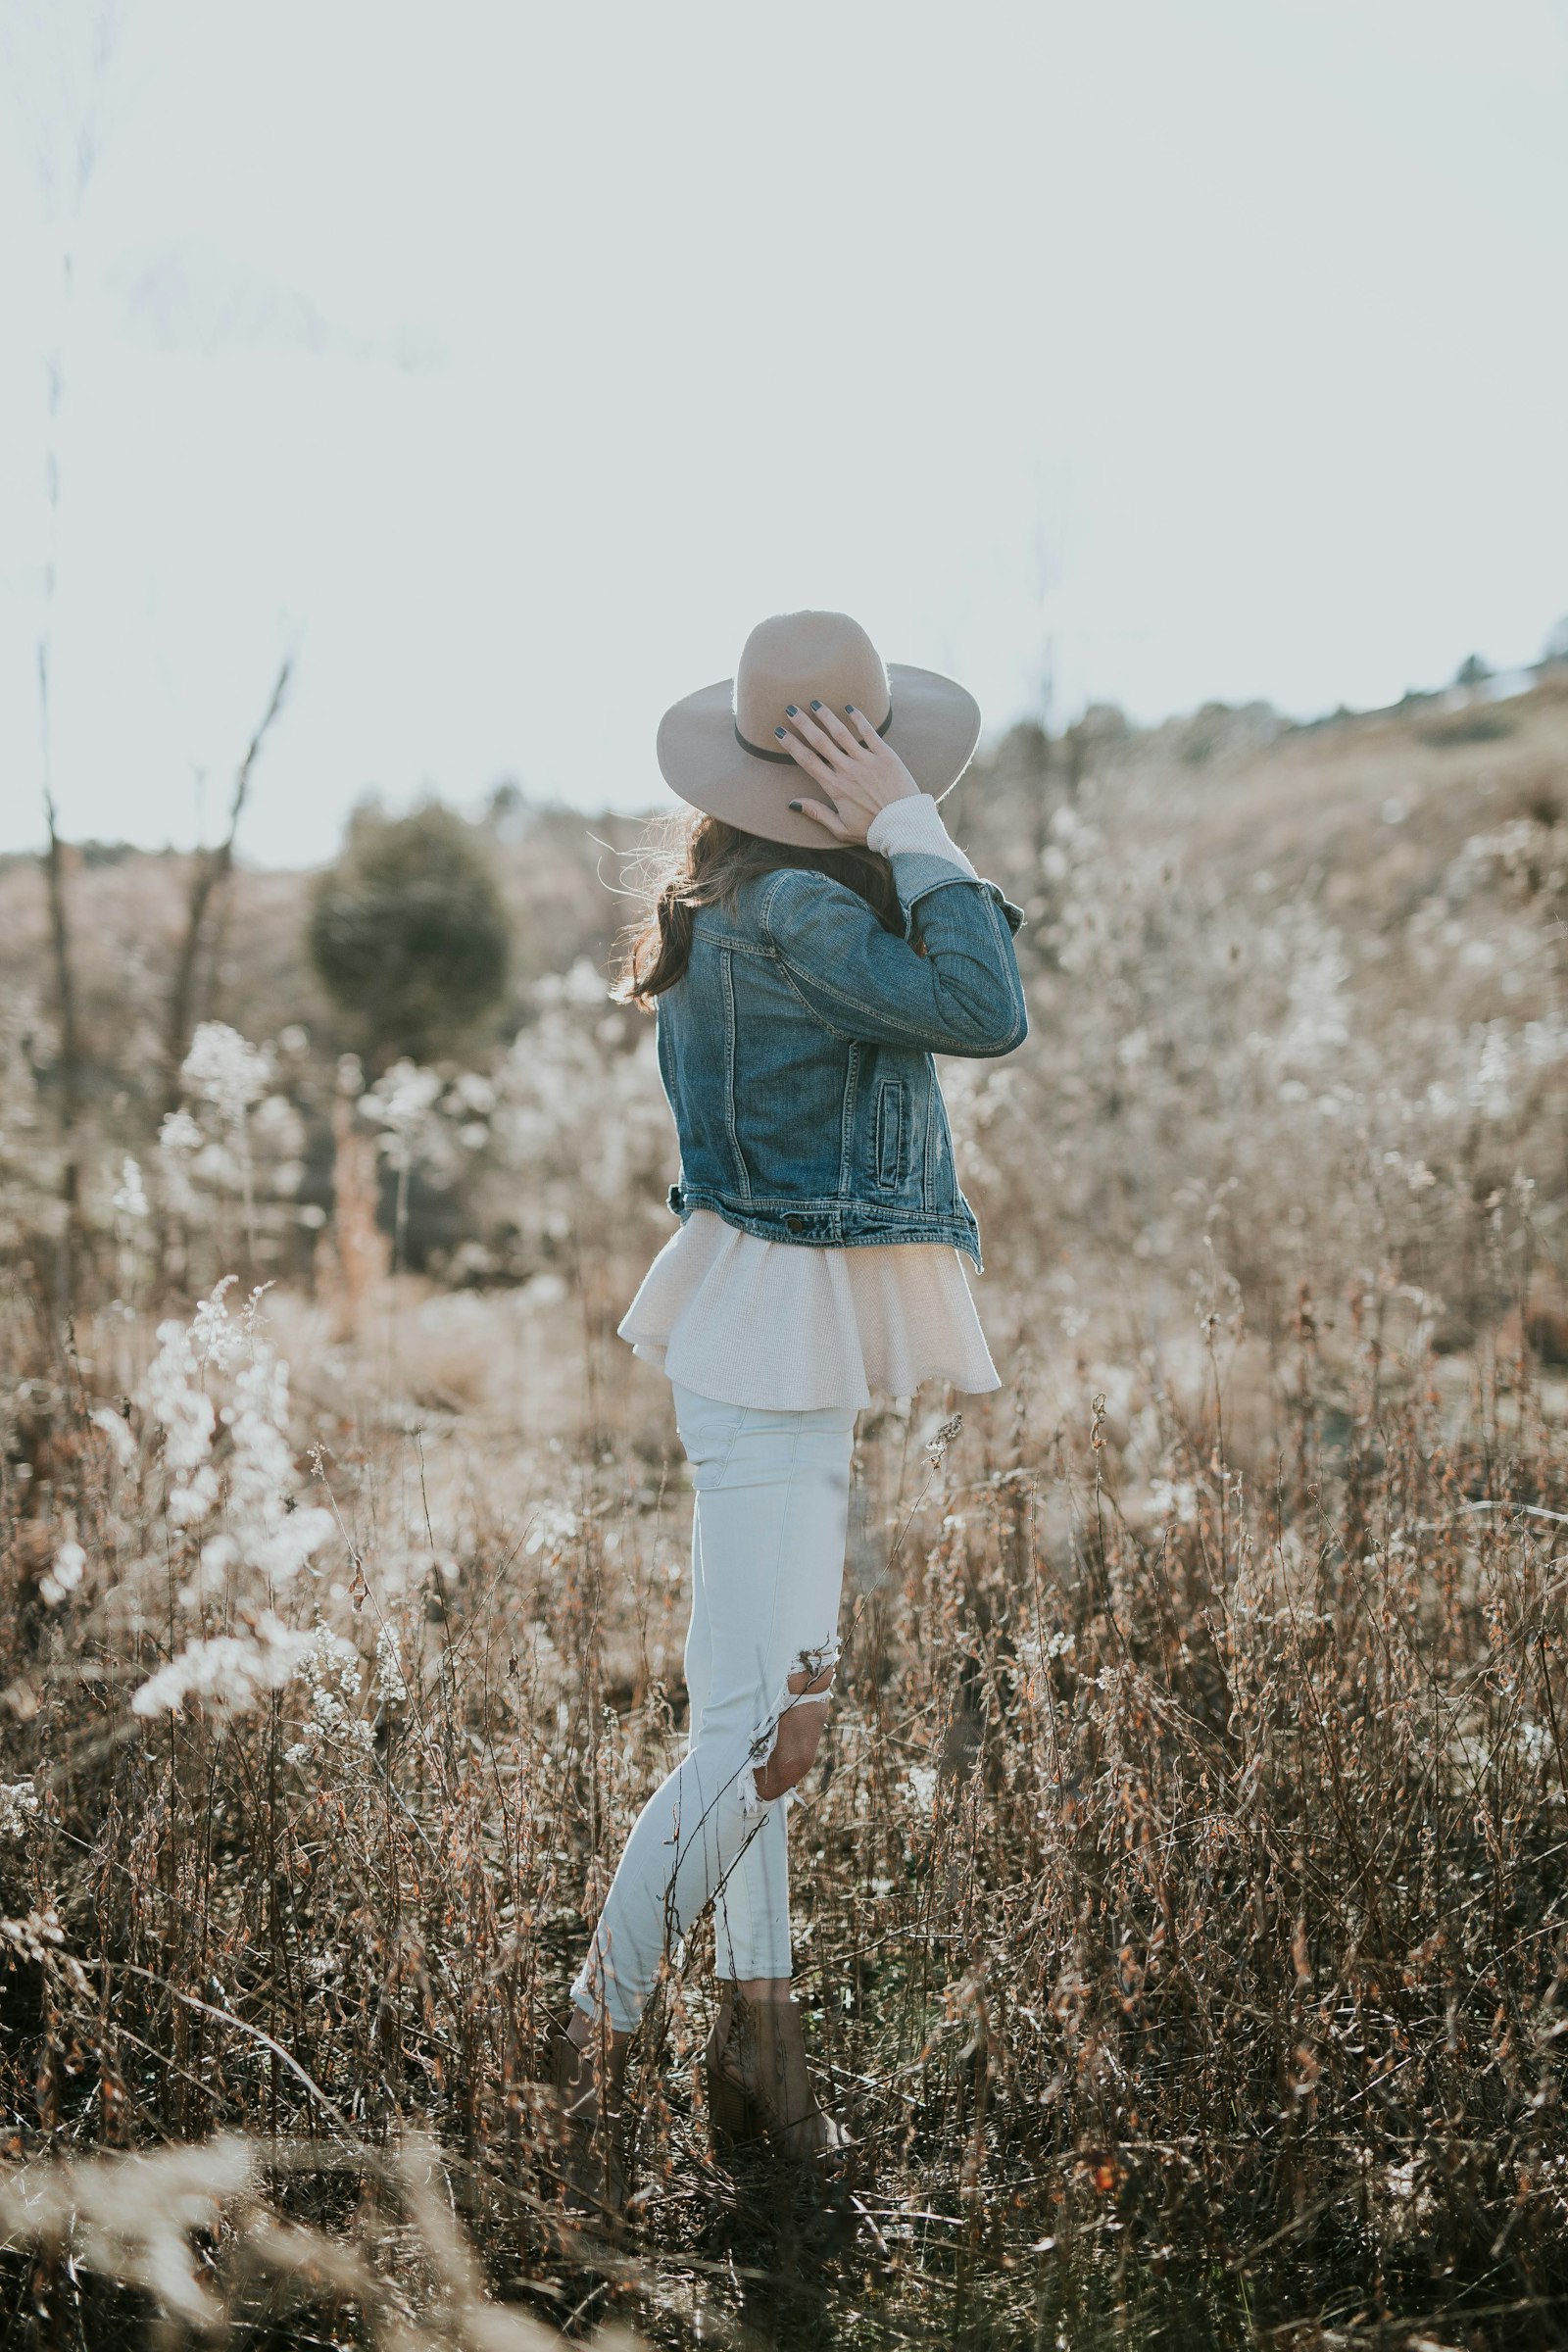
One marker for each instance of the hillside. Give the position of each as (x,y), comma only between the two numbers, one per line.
(1296,991)
(1365,815)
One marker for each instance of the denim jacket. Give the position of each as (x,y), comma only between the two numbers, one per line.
(796,1053)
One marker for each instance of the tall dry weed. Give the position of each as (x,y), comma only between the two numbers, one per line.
(1181,1885)
(1182,1871)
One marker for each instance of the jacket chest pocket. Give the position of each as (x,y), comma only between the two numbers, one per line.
(891,1138)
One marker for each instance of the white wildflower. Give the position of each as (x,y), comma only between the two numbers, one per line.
(179,1142)
(255,1480)
(297,1538)
(64,1576)
(214,1336)
(226,1675)
(115,1429)
(262,1468)
(475,1093)
(921,1782)
(217,1166)
(554,1525)
(195,1498)
(226,1070)
(583,985)
(130,1200)
(19,1803)
(178,1134)
(169,1394)
(219,1555)
(331,1667)
(274,1536)
(401,1105)
(278,1125)
(391,1686)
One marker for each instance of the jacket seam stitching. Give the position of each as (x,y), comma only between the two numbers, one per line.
(852,1091)
(847,1036)
(736,947)
(729,1089)
(828,1204)
(842,995)
(1021,1020)
(879,1013)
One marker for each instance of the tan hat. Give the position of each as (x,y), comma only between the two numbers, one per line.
(718,749)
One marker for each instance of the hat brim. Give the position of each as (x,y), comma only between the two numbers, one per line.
(936,725)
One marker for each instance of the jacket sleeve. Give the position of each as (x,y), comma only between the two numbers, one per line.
(961,996)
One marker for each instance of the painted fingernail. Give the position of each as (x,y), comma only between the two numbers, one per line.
(789,711)
(779,732)
(849,710)
(816,705)
(796,805)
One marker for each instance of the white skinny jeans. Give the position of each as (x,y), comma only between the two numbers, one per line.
(769,1528)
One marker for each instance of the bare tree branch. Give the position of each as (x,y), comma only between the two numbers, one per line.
(64,193)
(208,876)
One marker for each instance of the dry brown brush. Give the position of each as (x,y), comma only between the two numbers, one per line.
(1183,1874)
(1182,1881)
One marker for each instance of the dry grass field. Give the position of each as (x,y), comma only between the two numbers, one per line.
(1186,1911)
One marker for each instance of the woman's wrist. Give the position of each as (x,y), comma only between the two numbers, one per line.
(913,823)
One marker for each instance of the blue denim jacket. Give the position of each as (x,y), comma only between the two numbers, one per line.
(796,1053)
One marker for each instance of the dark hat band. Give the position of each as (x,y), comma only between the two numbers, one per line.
(787,758)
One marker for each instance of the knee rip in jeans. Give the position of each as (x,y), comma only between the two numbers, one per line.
(782,1752)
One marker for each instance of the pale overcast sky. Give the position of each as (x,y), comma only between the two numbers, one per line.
(509,361)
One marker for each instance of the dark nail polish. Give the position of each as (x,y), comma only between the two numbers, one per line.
(849,710)
(789,711)
(779,732)
(796,805)
(816,705)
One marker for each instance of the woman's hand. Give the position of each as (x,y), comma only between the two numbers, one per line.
(850,762)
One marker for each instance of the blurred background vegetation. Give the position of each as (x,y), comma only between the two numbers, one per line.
(1297,997)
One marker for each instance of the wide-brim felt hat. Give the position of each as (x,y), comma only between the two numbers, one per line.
(718,748)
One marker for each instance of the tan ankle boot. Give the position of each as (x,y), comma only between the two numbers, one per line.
(591,2112)
(757,2085)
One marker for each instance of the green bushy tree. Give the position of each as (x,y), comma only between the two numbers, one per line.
(409,933)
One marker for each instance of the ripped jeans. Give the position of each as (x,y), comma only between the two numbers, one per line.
(768,1530)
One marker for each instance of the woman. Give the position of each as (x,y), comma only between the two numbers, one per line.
(817,940)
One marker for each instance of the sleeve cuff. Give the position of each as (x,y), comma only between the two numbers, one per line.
(914,825)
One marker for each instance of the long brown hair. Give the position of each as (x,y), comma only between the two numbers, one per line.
(701,861)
